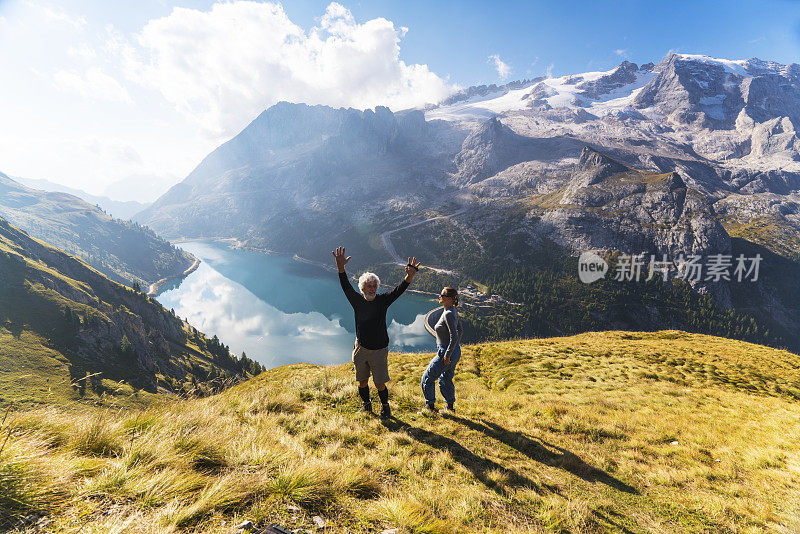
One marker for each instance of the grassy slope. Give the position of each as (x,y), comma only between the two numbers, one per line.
(33,373)
(600,432)
(40,360)
(775,233)
(123,251)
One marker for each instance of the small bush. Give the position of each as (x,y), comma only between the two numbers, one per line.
(96,439)
(411,514)
(39,425)
(25,489)
(201,454)
(303,488)
(230,491)
(358,482)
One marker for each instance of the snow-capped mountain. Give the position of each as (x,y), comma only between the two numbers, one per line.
(691,155)
(743,102)
(599,93)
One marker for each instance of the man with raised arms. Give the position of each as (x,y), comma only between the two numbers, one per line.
(371,351)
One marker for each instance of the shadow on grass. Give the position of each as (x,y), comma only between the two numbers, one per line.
(14,328)
(613,519)
(477,465)
(544,452)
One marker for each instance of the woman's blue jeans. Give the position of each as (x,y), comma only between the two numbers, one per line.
(444,373)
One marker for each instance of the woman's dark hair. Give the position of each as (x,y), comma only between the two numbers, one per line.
(452,293)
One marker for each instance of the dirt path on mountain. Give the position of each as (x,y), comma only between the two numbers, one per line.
(387,243)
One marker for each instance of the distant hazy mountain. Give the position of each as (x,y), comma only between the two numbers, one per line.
(143,188)
(693,155)
(61,320)
(122,250)
(117,208)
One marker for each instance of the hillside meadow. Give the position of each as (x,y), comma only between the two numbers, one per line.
(600,432)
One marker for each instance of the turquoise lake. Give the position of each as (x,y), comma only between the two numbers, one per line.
(280,311)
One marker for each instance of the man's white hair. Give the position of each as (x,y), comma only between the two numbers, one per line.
(366,278)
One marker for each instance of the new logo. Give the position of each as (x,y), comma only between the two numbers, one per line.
(591,267)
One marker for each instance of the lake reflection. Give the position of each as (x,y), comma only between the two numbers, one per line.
(282,311)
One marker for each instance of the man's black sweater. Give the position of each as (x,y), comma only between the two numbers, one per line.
(371,314)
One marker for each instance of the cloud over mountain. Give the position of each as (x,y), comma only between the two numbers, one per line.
(223,66)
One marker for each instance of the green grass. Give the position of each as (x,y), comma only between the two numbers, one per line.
(775,233)
(124,251)
(32,373)
(600,432)
(61,321)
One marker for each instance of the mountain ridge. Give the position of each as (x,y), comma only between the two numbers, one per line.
(124,251)
(689,173)
(121,209)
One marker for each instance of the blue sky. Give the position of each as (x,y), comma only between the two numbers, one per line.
(456,37)
(96,92)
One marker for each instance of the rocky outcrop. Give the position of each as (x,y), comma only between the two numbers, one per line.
(623,75)
(493,147)
(612,207)
(478,91)
(593,167)
(713,94)
(488,150)
(538,95)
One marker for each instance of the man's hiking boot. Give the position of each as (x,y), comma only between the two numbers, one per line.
(451,408)
(386,412)
(366,408)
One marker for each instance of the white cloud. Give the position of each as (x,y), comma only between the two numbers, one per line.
(549,71)
(93,84)
(410,336)
(113,149)
(59,15)
(621,52)
(503,68)
(224,66)
(82,51)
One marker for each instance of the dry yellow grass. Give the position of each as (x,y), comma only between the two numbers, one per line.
(601,432)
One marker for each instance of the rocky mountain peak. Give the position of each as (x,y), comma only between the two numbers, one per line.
(623,75)
(760,67)
(490,148)
(477,91)
(598,163)
(489,132)
(674,181)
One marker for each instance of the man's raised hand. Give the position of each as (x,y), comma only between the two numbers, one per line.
(411,268)
(341,260)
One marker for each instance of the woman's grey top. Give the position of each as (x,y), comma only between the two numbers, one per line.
(448,331)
